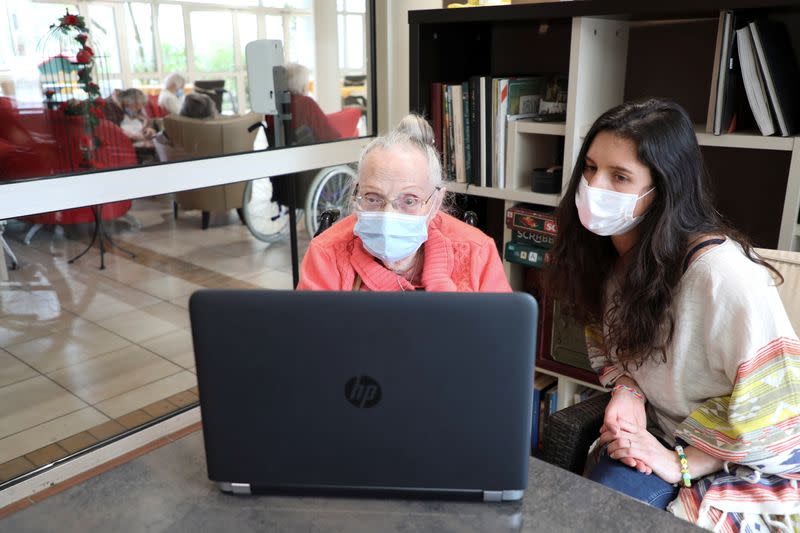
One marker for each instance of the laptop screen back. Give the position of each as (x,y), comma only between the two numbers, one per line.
(409,391)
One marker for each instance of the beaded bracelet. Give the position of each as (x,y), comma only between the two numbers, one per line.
(685,476)
(625,388)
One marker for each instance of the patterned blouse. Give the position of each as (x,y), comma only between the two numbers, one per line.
(731,388)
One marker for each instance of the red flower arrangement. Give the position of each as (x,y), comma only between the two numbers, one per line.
(91,108)
(84,56)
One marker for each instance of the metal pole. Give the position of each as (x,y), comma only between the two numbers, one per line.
(283,137)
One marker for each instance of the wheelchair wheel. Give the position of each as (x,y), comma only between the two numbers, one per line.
(329,190)
(259,211)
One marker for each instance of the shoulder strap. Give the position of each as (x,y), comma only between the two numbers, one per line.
(697,248)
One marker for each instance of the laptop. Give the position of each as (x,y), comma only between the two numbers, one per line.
(420,394)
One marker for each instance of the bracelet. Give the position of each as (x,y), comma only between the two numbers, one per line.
(625,388)
(685,476)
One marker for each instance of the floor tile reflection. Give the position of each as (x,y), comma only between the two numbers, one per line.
(86,354)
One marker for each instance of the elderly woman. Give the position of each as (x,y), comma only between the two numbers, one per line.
(170,98)
(135,122)
(197,105)
(398,239)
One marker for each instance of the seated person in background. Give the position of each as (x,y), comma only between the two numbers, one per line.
(136,123)
(686,325)
(197,105)
(113,108)
(171,96)
(309,124)
(398,239)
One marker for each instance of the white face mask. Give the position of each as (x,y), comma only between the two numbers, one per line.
(605,212)
(391,236)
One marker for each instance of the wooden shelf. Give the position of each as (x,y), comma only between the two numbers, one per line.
(748,140)
(513,195)
(599,45)
(541,128)
(582,383)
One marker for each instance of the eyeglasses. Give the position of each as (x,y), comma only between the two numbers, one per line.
(405,203)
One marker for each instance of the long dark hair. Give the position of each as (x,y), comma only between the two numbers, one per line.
(639,322)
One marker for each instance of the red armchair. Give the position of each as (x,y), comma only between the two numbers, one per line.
(115,151)
(46,142)
(153,109)
(346,121)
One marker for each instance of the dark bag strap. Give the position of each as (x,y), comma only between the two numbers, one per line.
(697,248)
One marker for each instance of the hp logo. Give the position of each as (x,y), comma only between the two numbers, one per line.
(362,391)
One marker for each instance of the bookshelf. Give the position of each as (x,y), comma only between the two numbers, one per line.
(612,51)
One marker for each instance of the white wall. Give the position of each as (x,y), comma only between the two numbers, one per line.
(392,60)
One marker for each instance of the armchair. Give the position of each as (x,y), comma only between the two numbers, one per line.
(191,137)
(48,143)
(571,431)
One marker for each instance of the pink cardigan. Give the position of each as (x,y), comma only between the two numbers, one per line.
(458,258)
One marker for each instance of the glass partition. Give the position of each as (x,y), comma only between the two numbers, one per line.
(87,354)
(154,82)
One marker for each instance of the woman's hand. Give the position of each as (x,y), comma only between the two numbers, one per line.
(625,406)
(631,443)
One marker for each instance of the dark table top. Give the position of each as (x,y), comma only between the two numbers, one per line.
(168,490)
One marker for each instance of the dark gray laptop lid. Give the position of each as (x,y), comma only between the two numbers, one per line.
(417,391)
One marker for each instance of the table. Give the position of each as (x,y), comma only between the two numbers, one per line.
(168,490)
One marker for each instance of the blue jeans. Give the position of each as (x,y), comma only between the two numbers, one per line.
(651,489)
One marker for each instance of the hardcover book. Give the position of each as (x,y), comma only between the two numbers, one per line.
(526,219)
(525,254)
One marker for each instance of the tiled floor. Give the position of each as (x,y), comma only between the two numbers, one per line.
(86,353)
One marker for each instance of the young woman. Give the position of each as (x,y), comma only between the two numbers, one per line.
(686,326)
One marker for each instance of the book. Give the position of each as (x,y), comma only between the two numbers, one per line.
(533,237)
(725,80)
(484,99)
(527,219)
(501,132)
(525,254)
(467,127)
(457,106)
(541,383)
(568,341)
(754,81)
(436,115)
(476,150)
(780,70)
(493,121)
(447,133)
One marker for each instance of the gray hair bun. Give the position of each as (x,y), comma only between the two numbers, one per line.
(417,129)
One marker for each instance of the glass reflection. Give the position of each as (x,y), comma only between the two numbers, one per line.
(85,353)
(50,124)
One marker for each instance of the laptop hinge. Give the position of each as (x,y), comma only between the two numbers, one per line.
(502,495)
(235,488)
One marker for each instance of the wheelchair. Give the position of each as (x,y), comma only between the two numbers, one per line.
(317,192)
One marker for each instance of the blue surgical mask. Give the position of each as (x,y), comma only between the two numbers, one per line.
(179,93)
(391,236)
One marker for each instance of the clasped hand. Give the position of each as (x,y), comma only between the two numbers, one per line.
(624,429)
